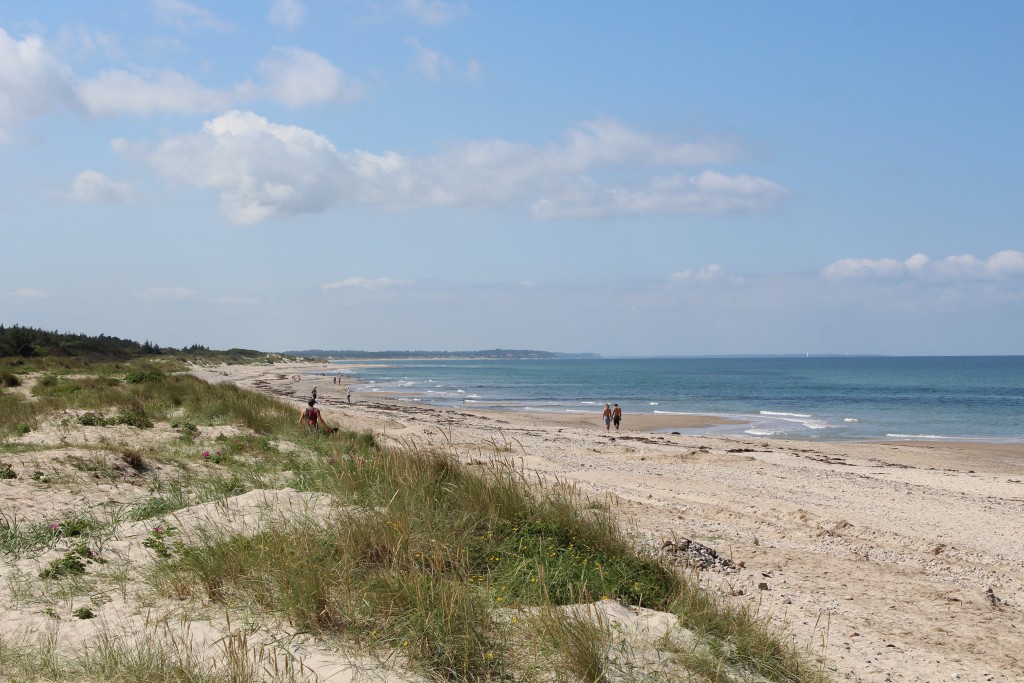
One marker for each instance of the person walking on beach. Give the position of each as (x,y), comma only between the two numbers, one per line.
(348,394)
(314,393)
(314,420)
(616,416)
(607,417)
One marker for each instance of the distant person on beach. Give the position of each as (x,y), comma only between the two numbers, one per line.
(607,417)
(348,394)
(616,416)
(313,420)
(314,393)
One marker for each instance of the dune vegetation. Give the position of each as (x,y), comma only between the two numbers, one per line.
(419,561)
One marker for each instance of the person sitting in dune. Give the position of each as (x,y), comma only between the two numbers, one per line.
(314,420)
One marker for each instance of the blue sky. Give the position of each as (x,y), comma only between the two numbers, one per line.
(641,178)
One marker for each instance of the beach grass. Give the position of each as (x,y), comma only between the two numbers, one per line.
(460,571)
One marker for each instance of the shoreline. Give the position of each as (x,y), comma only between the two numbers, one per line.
(654,423)
(898,562)
(692,423)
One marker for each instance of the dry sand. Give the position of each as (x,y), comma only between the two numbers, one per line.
(898,562)
(901,562)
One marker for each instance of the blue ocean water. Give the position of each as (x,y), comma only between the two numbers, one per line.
(858,398)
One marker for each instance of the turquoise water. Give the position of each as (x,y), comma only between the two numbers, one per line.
(975,398)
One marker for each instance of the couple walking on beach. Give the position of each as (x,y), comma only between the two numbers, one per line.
(611,415)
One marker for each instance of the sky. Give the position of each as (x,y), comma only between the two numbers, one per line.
(623,178)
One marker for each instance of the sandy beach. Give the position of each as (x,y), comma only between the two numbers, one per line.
(898,561)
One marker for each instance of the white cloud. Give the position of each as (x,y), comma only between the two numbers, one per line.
(91,186)
(287,13)
(32,81)
(121,92)
(964,267)
(297,78)
(434,12)
(166,294)
(185,16)
(362,283)
(1006,263)
(29,293)
(710,274)
(262,169)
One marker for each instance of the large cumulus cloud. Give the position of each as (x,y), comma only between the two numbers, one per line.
(263,169)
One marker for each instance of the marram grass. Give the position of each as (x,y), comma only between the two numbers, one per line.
(423,551)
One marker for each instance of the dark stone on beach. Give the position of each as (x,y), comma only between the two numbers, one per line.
(762,586)
(697,555)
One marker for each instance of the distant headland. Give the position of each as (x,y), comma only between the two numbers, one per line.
(512,354)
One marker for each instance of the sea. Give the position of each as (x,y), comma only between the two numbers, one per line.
(862,398)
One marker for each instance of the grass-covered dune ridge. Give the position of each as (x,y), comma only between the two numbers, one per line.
(432,566)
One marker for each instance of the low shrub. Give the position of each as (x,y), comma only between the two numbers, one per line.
(92,420)
(75,527)
(140,376)
(189,432)
(68,564)
(135,417)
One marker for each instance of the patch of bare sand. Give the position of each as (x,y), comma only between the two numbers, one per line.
(900,562)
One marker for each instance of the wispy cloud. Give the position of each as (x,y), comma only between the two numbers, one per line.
(298,78)
(235,301)
(436,67)
(91,186)
(1004,264)
(363,283)
(29,293)
(434,12)
(711,274)
(185,16)
(263,169)
(287,13)
(709,192)
(122,92)
(291,76)
(430,63)
(166,294)
(34,82)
